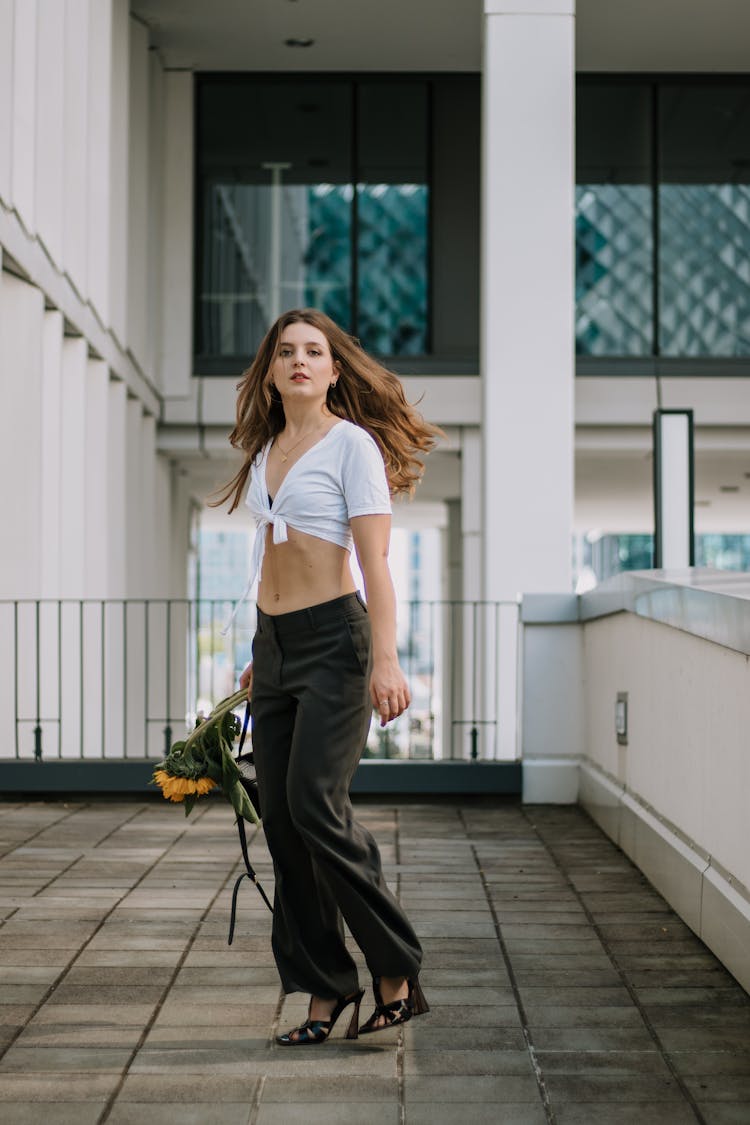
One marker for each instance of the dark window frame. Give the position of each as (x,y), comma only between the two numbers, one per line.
(213,364)
(656,364)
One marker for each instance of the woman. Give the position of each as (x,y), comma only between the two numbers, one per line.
(328,436)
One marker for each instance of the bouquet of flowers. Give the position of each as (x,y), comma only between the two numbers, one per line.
(203,761)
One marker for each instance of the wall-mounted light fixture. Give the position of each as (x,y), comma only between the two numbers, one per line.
(621,718)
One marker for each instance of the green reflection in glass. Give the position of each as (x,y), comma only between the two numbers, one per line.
(392,279)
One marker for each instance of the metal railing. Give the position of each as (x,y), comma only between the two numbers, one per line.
(122,679)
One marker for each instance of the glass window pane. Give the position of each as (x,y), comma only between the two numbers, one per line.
(275,195)
(614,245)
(392,218)
(704,225)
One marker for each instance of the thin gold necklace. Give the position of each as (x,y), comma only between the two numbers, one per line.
(285,455)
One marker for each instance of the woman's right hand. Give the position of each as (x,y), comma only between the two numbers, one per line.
(246,679)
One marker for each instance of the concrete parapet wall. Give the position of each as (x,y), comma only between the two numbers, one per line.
(675,797)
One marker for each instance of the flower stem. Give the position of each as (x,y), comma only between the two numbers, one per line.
(218,712)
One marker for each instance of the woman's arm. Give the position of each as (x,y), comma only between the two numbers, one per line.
(387,683)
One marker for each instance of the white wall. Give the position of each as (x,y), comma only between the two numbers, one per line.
(176,353)
(526,332)
(676,797)
(21,364)
(552,712)
(81,214)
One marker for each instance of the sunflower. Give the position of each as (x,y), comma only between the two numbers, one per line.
(178,788)
(203,761)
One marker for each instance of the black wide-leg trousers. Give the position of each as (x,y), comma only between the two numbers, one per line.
(311,712)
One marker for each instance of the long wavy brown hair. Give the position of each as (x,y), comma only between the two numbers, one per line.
(365,393)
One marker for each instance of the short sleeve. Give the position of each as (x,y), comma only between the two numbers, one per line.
(363,476)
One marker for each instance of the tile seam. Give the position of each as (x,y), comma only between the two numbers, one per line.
(111,1100)
(113,1097)
(525,1029)
(621,972)
(71,962)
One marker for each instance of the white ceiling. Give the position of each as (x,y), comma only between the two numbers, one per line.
(437,35)
(614,482)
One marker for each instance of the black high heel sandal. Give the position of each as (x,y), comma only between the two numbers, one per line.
(317,1031)
(398,1011)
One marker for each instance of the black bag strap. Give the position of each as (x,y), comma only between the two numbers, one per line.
(249,872)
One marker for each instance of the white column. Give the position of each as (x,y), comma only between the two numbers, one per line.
(116,490)
(73,468)
(471,514)
(180,511)
(98,155)
(21,321)
(24,110)
(6,98)
(97,473)
(51,453)
(177,232)
(133,514)
(50,126)
(527,344)
(75,180)
(118,184)
(147,506)
(138,173)
(155,216)
(162,528)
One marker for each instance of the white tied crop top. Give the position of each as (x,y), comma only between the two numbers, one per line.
(341,476)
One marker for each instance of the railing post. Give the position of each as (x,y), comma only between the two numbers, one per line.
(37,743)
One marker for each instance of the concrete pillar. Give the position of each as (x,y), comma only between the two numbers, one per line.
(139,246)
(134,508)
(118,170)
(116,490)
(50,126)
(162,528)
(527,343)
(98,155)
(73,468)
(453,555)
(97,471)
(526,333)
(471,514)
(177,226)
(21,332)
(156,140)
(24,66)
(51,454)
(6,98)
(149,534)
(75,113)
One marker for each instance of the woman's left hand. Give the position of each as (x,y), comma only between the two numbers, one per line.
(389,690)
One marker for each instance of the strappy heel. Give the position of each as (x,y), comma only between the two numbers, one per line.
(317,1031)
(398,1011)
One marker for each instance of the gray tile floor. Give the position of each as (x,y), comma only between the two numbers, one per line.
(563,988)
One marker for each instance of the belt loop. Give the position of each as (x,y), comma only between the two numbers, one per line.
(311,618)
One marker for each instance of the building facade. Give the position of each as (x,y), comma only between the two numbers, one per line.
(537,212)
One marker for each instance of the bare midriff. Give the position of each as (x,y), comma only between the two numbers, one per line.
(302,572)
